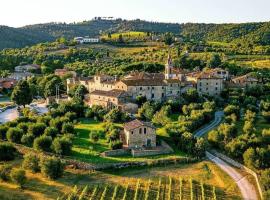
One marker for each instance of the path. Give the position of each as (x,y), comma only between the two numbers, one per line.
(248,191)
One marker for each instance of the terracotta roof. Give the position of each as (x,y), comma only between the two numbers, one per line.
(136,124)
(247,77)
(144,75)
(111,93)
(144,82)
(204,75)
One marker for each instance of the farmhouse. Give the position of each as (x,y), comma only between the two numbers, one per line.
(210,82)
(245,80)
(86,39)
(139,134)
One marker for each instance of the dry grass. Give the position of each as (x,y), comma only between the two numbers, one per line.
(38,187)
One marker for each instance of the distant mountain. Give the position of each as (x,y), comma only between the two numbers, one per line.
(257,33)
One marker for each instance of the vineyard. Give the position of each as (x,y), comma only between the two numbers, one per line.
(159,189)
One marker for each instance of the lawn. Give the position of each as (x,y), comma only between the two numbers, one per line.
(38,187)
(85,150)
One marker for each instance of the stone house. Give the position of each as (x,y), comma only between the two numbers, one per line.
(207,82)
(139,134)
(245,81)
(111,99)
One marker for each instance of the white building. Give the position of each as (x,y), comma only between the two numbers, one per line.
(86,39)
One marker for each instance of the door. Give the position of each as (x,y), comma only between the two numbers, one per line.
(148,142)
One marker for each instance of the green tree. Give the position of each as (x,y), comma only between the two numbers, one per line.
(214,61)
(168,38)
(51,167)
(21,94)
(43,143)
(14,135)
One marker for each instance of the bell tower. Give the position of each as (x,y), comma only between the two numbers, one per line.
(168,67)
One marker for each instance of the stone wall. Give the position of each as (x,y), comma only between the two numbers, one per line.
(117,152)
(163,149)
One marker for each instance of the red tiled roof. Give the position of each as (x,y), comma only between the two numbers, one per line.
(136,124)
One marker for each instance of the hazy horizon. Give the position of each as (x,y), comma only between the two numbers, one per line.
(175,11)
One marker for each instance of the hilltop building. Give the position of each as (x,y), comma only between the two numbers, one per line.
(86,39)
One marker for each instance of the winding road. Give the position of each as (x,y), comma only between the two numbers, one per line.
(248,191)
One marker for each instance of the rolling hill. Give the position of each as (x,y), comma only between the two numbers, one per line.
(254,33)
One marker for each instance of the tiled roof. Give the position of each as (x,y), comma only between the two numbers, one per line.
(247,77)
(136,124)
(144,82)
(111,93)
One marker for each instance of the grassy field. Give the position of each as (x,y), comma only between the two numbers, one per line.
(38,187)
(131,34)
(85,150)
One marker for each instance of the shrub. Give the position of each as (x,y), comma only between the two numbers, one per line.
(5,171)
(94,136)
(43,143)
(23,126)
(62,146)
(56,123)
(117,144)
(12,124)
(18,176)
(51,131)
(31,162)
(71,116)
(7,151)
(51,167)
(67,128)
(14,135)
(36,129)
(230,109)
(3,132)
(27,140)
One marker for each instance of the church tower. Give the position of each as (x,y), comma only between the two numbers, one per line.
(168,68)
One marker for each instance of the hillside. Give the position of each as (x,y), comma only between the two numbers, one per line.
(253,33)
(14,37)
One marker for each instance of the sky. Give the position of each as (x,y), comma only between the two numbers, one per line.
(18,13)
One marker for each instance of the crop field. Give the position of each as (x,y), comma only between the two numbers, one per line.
(160,188)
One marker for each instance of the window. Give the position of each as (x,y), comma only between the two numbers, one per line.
(200,84)
(216,88)
(148,88)
(162,94)
(140,88)
(216,83)
(153,88)
(153,96)
(132,132)
(206,83)
(144,130)
(206,88)
(140,130)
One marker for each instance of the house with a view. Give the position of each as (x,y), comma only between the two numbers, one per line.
(139,134)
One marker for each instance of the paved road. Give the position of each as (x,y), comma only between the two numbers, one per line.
(12,114)
(248,191)
(9,115)
(212,125)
